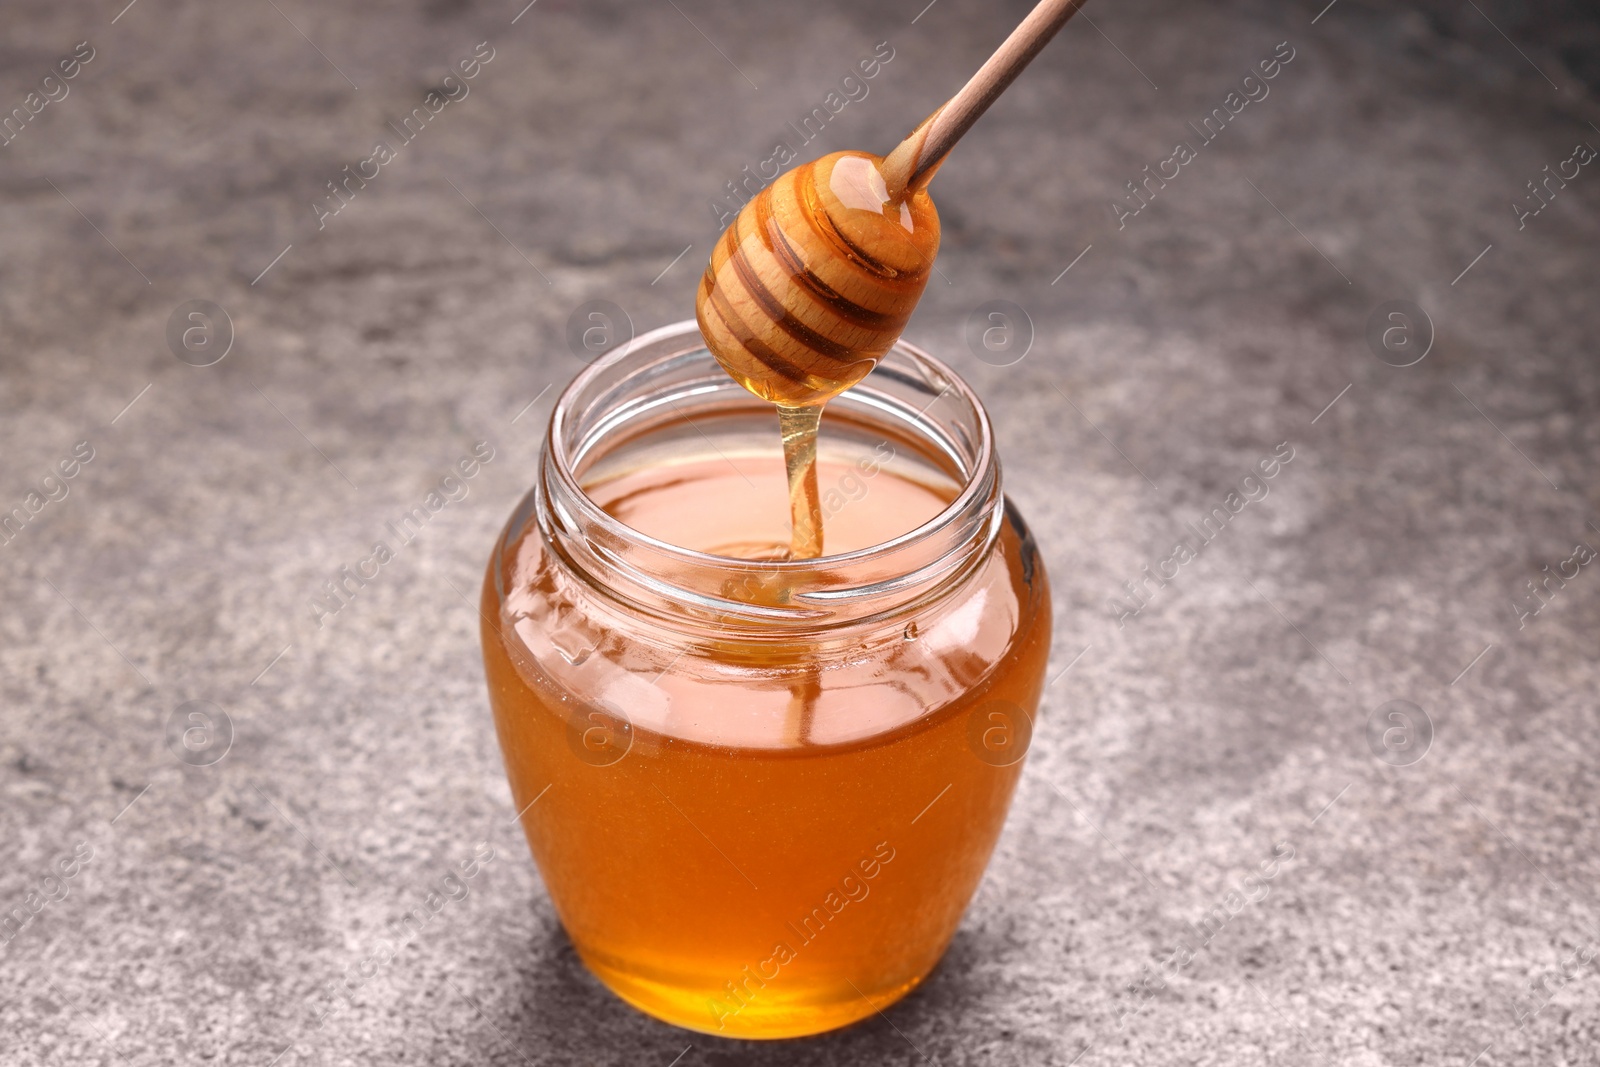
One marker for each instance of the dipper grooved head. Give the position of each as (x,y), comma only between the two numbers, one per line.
(815,279)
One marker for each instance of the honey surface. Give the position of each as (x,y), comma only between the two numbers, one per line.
(688,507)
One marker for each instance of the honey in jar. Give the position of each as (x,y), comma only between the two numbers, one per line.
(761,790)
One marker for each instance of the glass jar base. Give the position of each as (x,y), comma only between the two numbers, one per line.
(766,1014)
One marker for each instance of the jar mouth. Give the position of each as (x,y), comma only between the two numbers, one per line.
(669,372)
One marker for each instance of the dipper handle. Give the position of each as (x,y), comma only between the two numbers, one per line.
(911,166)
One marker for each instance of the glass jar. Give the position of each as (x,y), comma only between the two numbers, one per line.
(762,792)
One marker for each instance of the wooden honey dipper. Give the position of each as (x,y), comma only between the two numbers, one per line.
(815,278)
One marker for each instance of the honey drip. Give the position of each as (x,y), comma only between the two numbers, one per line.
(807,288)
(799,429)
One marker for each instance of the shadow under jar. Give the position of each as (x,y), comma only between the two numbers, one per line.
(761,792)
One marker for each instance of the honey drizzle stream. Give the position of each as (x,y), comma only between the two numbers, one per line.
(799,427)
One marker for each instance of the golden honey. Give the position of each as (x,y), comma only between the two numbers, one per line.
(761,792)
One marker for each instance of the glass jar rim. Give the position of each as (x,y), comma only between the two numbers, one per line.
(595,405)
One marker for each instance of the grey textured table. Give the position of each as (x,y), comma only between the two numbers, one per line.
(1439,905)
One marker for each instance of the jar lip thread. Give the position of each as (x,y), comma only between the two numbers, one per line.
(659,367)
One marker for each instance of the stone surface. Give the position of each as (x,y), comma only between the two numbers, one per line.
(1426,906)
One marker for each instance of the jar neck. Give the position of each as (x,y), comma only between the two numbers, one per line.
(668,376)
